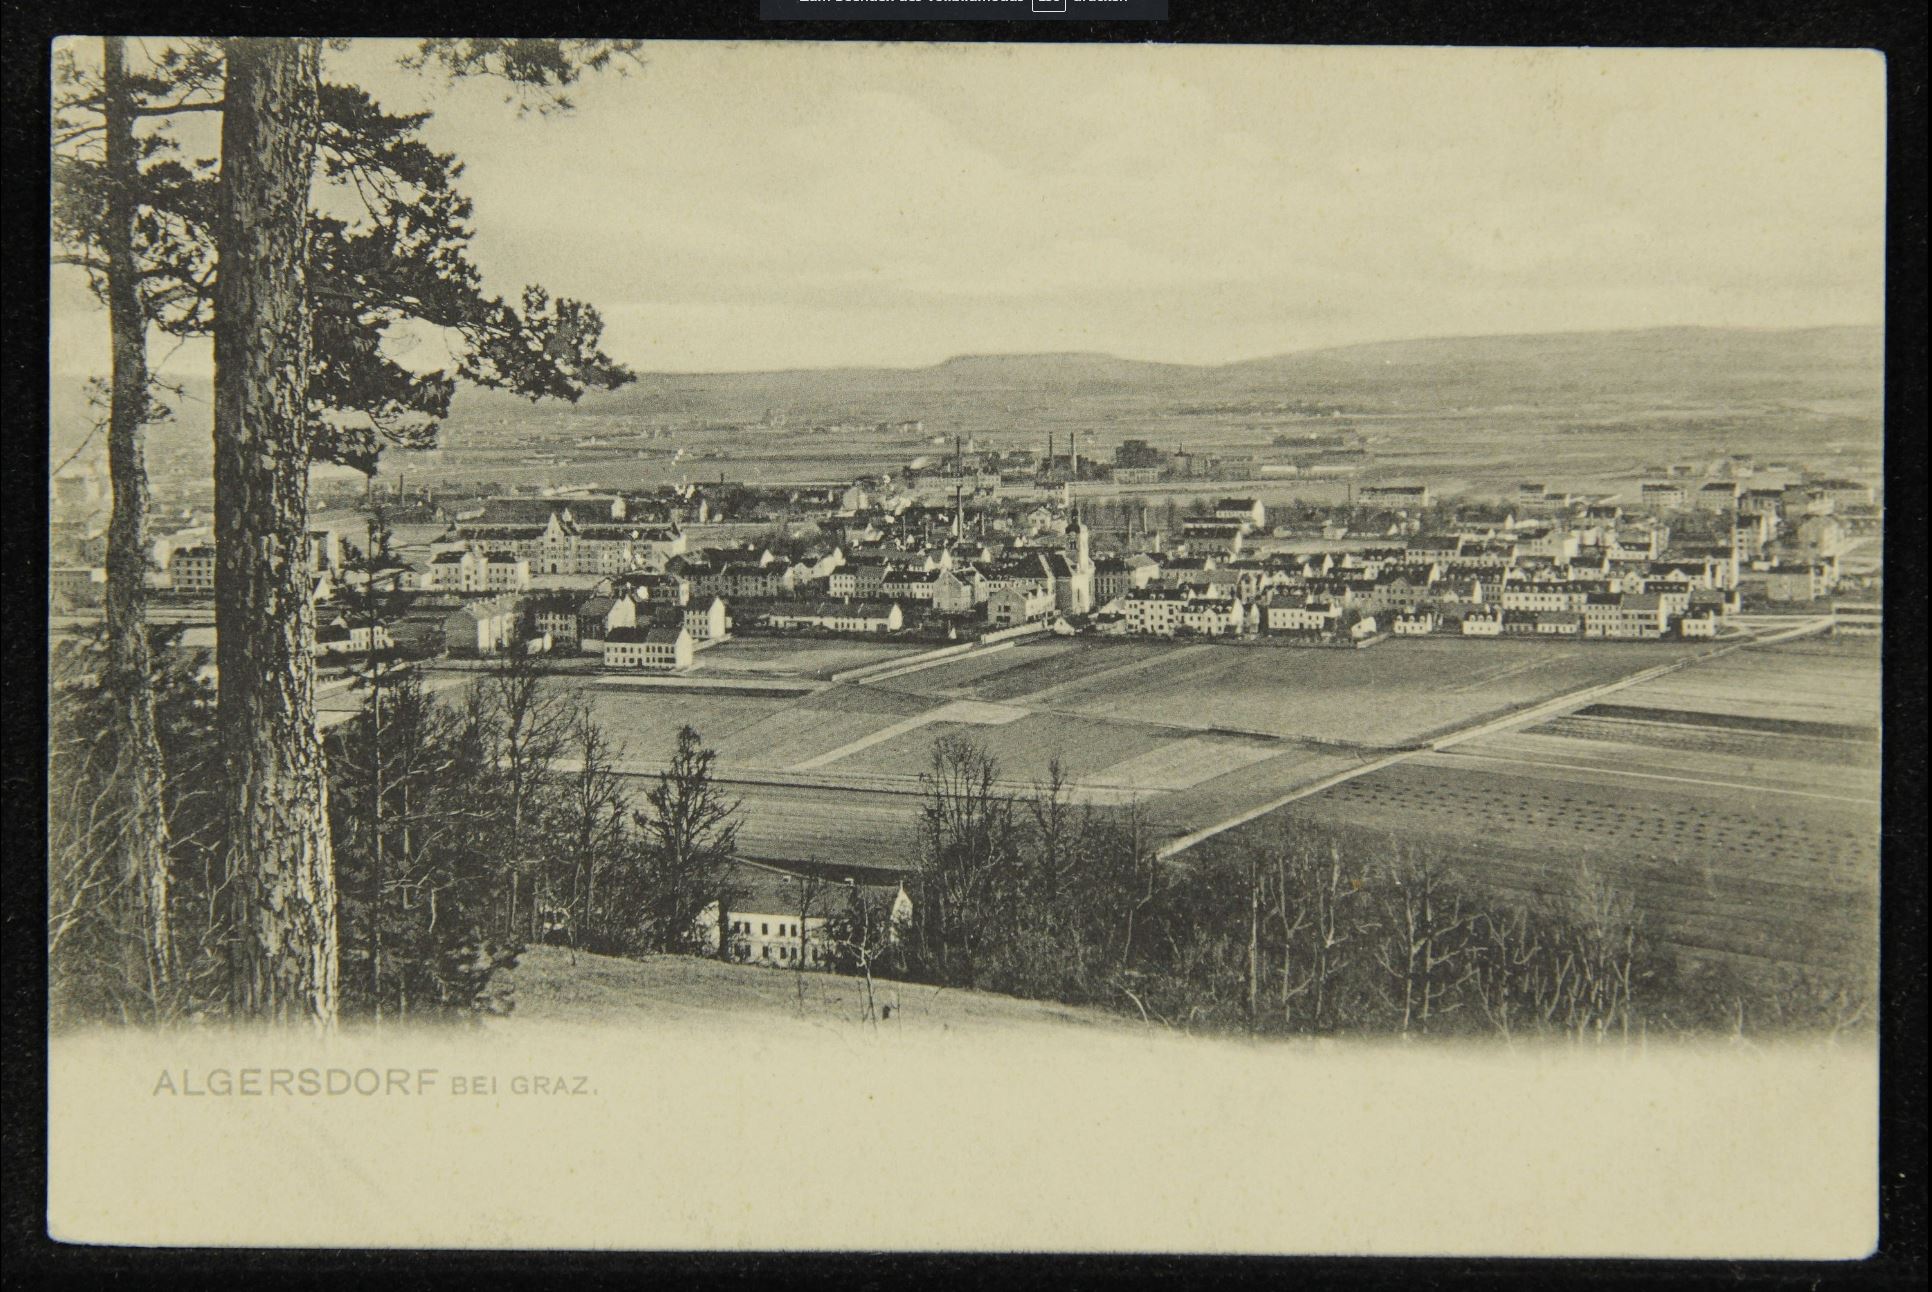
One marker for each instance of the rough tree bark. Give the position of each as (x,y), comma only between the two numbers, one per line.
(144,831)
(282,872)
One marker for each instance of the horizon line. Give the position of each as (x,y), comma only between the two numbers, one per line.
(1196,365)
(1210,366)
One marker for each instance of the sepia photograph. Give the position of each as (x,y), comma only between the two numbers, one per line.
(720,645)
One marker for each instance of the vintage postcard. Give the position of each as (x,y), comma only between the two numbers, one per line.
(991,647)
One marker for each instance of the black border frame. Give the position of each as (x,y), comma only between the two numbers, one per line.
(1890,26)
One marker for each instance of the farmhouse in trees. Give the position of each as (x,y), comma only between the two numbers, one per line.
(781,918)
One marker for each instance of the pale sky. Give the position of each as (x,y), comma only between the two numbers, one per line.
(741,206)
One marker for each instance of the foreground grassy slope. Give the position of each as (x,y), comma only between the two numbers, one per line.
(555,985)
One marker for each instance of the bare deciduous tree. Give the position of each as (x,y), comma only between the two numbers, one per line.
(1424,947)
(689,835)
(531,720)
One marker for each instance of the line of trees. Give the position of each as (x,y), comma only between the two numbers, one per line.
(1308,931)
(462,829)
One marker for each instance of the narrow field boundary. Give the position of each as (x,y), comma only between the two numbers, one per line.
(1806,728)
(974,712)
(884,669)
(1112,673)
(900,664)
(899,668)
(689,682)
(1662,776)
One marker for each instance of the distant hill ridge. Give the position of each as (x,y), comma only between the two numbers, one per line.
(1647,367)
(1697,362)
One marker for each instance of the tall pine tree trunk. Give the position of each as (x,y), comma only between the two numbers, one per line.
(281,869)
(378,878)
(138,775)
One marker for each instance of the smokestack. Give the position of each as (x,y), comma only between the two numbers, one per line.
(1073,446)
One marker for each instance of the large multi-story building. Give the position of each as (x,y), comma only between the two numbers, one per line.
(192,570)
(1300,615)
(1396,495)
(483,627)
(1116,576)
(1154,612)
(1248,512)
(1212,616)
(1016,604)
(840,616)
(960,590)
(472,570)
(1634,615)
(571,535)
(660,649)
(1662,495)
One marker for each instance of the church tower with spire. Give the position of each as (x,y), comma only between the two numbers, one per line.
(1079,554)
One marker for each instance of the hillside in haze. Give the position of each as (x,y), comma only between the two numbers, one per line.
(1663,366)
(1689,365)
(1638,371)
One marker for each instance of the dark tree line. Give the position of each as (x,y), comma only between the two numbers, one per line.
(1307,931)
(464,826)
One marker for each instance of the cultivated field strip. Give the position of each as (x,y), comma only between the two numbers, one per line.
(782,656)
(1084,746)
(1223,797)
(1397,693)
(1110,666)
(1804,682)
(1759,771)
(1811,841)
(1183,763)
(815,825)
(958,713)
(1795,887)
(971,676)
(1657,736)
(797,735)
(646,725)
